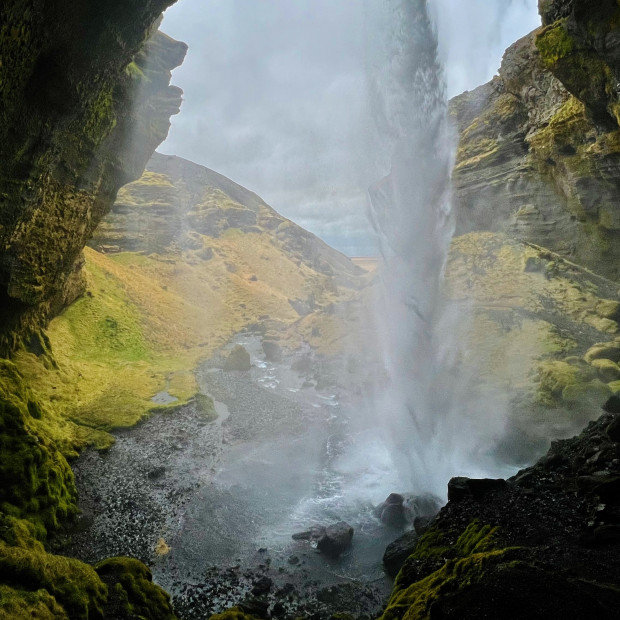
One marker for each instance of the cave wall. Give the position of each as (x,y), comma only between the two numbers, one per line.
(85,100)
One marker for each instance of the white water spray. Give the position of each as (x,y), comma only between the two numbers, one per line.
(432,432)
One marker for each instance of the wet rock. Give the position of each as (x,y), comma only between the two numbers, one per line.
(262,586)
(238,359)
(293,559)
(273,351)
(392,511)
(612,405)
(421,524)
(399,509)
(398,551)
(336,539)
(613,430)
(461,487)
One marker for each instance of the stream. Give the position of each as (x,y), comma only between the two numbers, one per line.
(211,506)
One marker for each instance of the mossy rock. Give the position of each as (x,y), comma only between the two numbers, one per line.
(591,394)
(132,593)
(238,359)
(37,480)
(470,556)
(603,350)
(614,386)
(608,371)
(608,309)
(24,604)
(74,586)
(555,376)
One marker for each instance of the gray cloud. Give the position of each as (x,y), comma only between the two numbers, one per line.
(276,96)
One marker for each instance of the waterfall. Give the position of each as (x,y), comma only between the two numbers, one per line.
(432,431)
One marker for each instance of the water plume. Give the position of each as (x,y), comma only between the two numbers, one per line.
(433,430)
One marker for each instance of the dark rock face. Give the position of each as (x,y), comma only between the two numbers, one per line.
(85,100)
(556,523)
(398,551)
(460,488)
(539,152)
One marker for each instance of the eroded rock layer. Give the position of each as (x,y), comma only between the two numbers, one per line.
(539,152)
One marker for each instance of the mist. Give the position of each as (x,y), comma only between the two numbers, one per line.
(276,97)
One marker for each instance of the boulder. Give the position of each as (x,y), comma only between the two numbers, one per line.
(273,351)
(603,350)
(613,430)
(608,371)
(238,359)
(400,509)
(336,539)
(392,510)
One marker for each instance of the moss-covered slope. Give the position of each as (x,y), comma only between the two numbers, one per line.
(196,275)
(527,322)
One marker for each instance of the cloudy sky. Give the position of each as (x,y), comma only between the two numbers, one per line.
(276,95)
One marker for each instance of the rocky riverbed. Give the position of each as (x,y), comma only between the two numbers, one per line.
(211,506)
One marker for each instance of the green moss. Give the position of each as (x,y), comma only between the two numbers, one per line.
(583,395)
(74,585)
(608,371)
(555,376)
(554,43)
(132,593)
(37,480)
(473,553)
(18,604)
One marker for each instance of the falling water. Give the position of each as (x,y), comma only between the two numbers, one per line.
(433,433)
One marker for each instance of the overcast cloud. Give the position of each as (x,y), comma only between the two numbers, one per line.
(276,95)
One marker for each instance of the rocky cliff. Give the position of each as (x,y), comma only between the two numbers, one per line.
(539,150)
(85,100)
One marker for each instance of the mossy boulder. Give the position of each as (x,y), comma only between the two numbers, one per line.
(238,359)
(592,394)
(131,591)
(608,371)
(603,350)
(73,585)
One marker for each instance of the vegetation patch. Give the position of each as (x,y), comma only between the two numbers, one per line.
(467,561)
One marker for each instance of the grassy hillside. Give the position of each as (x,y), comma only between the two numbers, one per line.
(151,314)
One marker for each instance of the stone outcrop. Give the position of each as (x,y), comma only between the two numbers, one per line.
(557,523)
(85,99)
(539,151)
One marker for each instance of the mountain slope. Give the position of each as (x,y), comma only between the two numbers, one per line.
(189,259)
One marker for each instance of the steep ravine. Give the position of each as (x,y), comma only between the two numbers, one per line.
(537,163)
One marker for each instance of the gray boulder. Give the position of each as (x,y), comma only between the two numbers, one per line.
(336,539)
